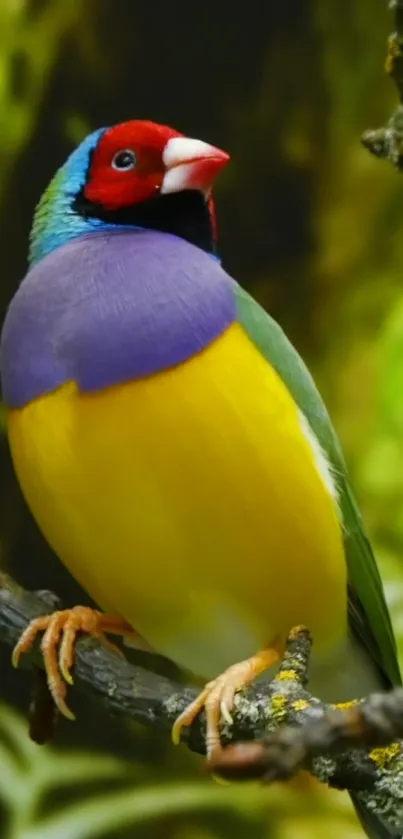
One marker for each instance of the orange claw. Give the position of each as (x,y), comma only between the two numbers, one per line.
(58,644)
(217,698)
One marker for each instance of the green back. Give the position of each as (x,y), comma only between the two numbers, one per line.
(368,613)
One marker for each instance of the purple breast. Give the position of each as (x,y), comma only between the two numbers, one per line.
(108,308)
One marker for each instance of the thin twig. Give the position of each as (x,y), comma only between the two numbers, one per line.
(387,142)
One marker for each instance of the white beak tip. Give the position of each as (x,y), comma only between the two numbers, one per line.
(191,164)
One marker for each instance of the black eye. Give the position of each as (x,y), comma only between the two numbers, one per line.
(124,160)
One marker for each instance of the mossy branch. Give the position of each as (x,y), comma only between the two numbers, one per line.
(387,142)
(277,730)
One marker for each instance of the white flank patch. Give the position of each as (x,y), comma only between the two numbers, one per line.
(323,465)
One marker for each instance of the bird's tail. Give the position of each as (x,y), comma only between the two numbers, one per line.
(375,827)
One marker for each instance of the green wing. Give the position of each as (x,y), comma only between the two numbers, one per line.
(368,613)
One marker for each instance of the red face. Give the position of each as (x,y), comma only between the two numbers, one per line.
(137,160)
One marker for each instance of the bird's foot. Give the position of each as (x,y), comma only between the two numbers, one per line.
(58,644)
(218,696)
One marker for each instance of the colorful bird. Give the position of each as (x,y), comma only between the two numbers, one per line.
(171,444)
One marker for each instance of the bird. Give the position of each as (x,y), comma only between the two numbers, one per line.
(172,445)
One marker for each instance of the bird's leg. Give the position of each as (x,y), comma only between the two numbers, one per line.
(58,644)
(217,698)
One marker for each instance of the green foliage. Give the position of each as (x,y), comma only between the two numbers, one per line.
(50,794)
(29,47)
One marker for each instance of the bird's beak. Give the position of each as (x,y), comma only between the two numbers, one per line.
(191,164)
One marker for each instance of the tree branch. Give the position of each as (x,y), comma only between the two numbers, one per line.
(292,730)
(387,142)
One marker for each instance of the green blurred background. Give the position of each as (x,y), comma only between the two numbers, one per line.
(311,224)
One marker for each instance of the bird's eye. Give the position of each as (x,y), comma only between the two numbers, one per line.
(124,160)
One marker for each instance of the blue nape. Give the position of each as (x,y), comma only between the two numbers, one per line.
(55,221)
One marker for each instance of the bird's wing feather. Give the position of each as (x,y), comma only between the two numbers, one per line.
(368,613)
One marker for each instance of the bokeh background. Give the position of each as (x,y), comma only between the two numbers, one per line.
(312,225)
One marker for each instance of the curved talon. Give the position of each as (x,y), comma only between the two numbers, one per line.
(218,696)
(225,713)
(66,653)
(58,644)
(187,717)
(27,638)
(53,664)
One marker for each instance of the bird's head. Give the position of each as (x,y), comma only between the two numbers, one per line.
(136,175)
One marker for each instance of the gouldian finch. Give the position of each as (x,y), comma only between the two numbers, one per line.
(172,445)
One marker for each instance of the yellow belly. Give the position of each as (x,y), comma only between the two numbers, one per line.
(191,503)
